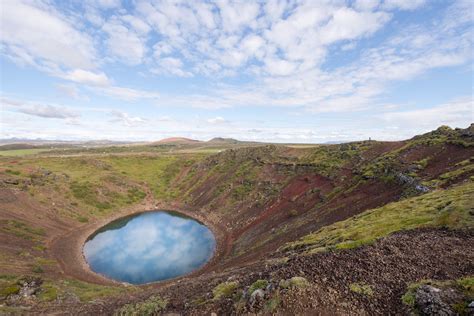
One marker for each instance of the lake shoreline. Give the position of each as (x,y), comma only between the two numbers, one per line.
(67,249)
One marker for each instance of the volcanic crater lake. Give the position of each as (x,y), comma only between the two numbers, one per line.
(149,247)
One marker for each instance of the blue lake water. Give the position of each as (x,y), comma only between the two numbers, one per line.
(149,247)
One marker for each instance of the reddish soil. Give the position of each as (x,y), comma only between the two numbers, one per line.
(445,159)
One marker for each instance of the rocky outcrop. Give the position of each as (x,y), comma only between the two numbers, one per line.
(429,302)
(411,182)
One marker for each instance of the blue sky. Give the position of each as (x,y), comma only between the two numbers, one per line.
(281,71)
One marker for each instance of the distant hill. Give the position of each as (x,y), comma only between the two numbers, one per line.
(177,140)
(222,140)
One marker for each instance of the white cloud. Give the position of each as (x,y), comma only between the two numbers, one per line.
(279,67)
(458,113)
(173,66)
(107,4)
(100,83)
(39,110)
(38,34)
(127,94)
(87,77)
(237,15)
(137,24)
(366,4)
(124,43)
(205,15)
(253,35)
(217,120)
(349,24)
(69,90)
(403,4)
(165,118)
(280,52)
(126,119)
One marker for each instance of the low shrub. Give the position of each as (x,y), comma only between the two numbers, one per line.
(151,306)
(259,284)
(225,289)
(362,288)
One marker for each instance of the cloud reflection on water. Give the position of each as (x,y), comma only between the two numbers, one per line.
(152,246)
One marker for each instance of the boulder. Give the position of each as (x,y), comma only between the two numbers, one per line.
(256,296)
(428,301)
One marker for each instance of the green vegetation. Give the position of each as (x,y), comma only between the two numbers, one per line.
(48,293)
(444,134)
(39,248)
(8,290)
(86,187)
(445,208)
(241,191)
(45,261)
(462,170)
(294,282)
(225,289)
(409,297)
(467,285)
(151,306)
(22,230)
(86,192)
(103,198)
(273,303)
(83,219)
(156,171)
(361,288)
(422,163)
(50,290)
(22,152)
(135,195)
(239,178)
(328,159)
(13,172)
(389,163)
(86,291)
(259,284)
